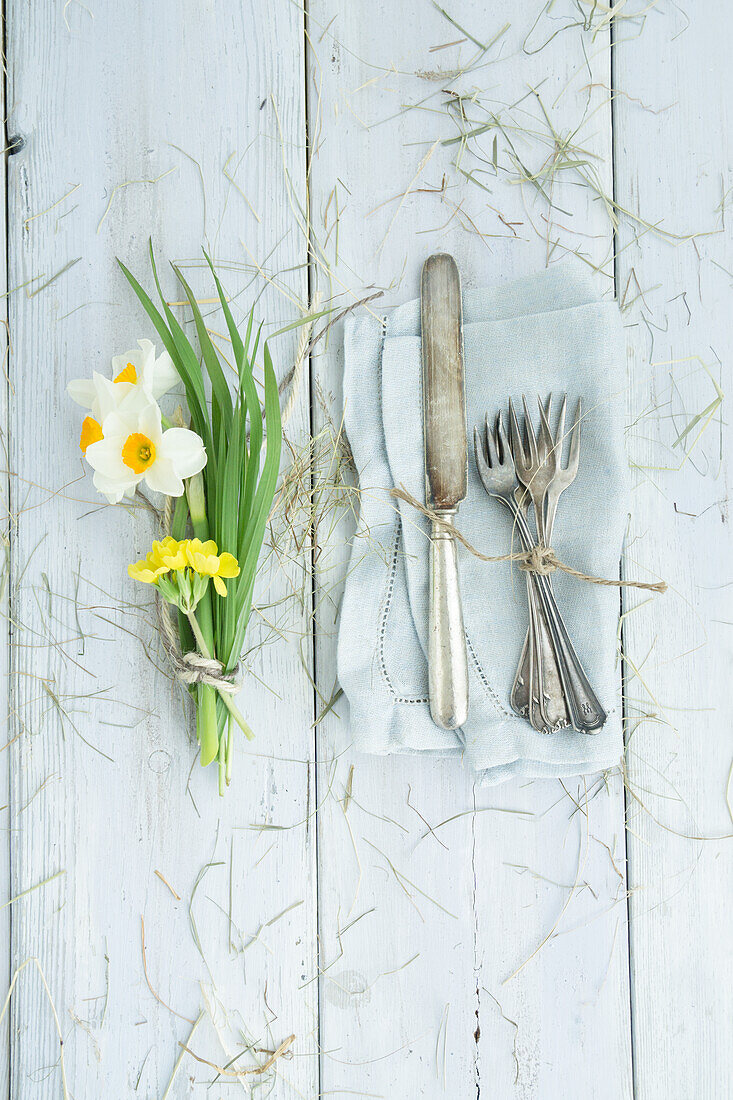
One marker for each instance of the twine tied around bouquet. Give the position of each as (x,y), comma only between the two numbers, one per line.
(540,559)
(193,668)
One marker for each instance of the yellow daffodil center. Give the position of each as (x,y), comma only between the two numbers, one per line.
(129,374)
(138,452)
(91,432)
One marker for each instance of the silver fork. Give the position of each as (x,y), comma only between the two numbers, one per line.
(535,470)
(498,475)
(537,690)
(564,475)
(545,478)
(554,704)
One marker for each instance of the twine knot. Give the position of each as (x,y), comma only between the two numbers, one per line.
(540,559)
(192,668)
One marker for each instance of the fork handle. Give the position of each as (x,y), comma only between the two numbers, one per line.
(447,660)
(586,713)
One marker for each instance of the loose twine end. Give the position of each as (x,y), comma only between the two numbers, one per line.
(540,559)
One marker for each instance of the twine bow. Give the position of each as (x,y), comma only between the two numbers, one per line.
(540,559)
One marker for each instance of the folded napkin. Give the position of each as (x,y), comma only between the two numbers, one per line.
(541,334)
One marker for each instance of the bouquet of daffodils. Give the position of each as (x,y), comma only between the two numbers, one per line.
(222,484)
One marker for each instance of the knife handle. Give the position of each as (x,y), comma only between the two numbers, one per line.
(447,661)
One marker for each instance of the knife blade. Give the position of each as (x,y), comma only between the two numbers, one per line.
(444,419)
(444,406)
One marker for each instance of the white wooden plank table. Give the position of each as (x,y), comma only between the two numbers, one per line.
(580,948)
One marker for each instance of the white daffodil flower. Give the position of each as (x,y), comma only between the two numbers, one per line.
(132,447)
(137,371)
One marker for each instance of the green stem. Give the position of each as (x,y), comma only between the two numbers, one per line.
(222,785)
(207,723)
(230,746)
(225,696)
(200,524)
(207,730)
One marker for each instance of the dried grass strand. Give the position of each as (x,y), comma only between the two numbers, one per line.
(147,977)
(224,1072)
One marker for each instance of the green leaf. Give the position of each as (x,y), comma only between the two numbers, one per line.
(160,326)
(180,518)
(255,529)
(221,396)
(187,365)
(237,346)
(306,319)
(254,410)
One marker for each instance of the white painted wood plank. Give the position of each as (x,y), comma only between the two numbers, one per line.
(5,693)
(124,94)
(674,165)
(408,1008)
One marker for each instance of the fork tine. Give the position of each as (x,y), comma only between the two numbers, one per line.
(481,464)
(560,434)
(547,446)
(503,438)
(527,448)
(574,457)
(491,444)
(502,443)
(533,456)
(517,448)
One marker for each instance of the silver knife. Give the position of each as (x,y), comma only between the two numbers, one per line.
(444,417)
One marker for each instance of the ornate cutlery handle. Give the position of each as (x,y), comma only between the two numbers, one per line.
(586,712)
(539,649)
(447,658)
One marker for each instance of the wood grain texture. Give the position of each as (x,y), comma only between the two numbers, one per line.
(417,935)
(413,994)
(674,164)
(5,685)
(183,95)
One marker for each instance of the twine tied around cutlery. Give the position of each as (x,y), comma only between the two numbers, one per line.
(540,559)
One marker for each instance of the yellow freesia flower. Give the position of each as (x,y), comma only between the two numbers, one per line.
(171,556)
(171,552)
(148,570)
(166,555)
(205,558)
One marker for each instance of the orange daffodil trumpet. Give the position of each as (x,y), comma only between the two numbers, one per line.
(222,471)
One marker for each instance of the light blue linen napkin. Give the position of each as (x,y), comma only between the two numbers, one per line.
(541,334)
